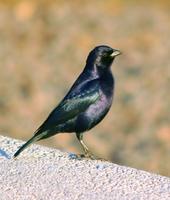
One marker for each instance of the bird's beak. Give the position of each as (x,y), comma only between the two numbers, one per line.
(115,53)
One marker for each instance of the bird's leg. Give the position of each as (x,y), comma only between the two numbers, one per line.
(87,154)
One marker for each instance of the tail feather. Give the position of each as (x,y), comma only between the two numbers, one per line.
(35,138)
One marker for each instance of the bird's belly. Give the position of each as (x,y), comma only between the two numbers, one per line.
(93,115)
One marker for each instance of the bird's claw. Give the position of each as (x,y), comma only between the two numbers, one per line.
(86,156)
(92,157)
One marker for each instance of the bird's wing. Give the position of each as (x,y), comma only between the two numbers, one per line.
(76,103)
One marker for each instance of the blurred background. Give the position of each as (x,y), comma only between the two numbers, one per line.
(43,48)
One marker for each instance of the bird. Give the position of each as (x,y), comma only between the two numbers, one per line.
(86,103)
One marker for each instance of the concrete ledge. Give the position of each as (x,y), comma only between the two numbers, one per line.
(43,173)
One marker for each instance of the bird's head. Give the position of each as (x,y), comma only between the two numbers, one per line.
(102,57)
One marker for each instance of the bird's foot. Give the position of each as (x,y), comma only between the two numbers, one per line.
(82,156)
(86,156)
(89,156)
(92,156)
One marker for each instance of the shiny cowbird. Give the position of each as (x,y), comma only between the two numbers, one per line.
(86,103)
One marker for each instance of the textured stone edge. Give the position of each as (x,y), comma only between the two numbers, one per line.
(82,179)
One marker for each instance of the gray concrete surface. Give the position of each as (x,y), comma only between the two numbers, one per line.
(43,173)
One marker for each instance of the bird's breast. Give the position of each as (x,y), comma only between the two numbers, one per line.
(94,114)
(101,107)
(97,111)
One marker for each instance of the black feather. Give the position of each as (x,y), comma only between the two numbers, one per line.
(87,102)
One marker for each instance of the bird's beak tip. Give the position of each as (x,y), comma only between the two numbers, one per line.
(116,53)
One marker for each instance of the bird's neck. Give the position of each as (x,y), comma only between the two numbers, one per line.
(95,72)
(107,76)
(92,71)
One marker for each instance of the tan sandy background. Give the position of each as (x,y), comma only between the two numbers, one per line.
(43,48)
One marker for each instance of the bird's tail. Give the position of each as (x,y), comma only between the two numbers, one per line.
(35,138)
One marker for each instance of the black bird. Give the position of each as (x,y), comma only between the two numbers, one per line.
(87,102)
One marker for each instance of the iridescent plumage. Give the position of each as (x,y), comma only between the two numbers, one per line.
(86,103)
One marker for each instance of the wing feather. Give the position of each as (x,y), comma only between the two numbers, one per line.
(75,103)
